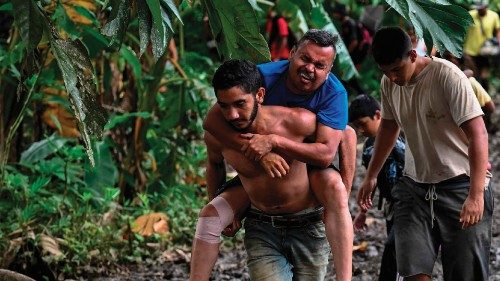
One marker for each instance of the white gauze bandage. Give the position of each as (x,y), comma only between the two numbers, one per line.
(209,229)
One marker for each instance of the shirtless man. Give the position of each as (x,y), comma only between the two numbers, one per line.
(302,81)
(284,233)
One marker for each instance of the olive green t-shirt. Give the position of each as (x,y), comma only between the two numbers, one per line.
(430,109)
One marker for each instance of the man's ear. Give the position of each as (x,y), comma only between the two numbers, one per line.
(292,51)
(377,115)
(259,96)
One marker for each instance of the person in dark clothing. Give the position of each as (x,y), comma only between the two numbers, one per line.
(364,115)
(356,37)
(357,40)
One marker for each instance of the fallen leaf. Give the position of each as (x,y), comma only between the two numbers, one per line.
(361,247)
(177,255)
(370,221)
(50,245)
(148,224)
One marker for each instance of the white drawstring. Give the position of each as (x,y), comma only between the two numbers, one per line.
(431,196)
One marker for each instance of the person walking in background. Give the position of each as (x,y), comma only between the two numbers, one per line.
(356,37)
(364,115)
(279,36)
(444,199)
(484,99)
(486,26)
(357,40)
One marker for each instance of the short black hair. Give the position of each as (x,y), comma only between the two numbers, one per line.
(237,72)
(320,37)
(340,9)
(390,44)
(363,106)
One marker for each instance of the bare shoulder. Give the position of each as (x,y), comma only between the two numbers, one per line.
(212,142)
(299,120)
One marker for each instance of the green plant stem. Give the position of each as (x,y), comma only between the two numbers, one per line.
(181,41)
(15,125)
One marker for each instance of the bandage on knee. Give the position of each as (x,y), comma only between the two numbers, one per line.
(209,229)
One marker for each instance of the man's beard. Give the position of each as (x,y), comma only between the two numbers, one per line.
(253,115)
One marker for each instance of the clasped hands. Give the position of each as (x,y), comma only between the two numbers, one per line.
(258,148)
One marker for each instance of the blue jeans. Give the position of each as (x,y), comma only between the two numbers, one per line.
(278,254)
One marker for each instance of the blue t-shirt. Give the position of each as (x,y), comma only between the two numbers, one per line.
(328,102)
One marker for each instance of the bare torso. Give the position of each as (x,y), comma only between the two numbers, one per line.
(288,194)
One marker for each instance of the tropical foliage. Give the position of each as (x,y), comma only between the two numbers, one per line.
(101,123)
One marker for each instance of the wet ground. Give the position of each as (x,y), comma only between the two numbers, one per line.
(366,263)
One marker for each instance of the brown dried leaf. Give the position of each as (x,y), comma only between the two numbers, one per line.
(75,16)
(148,224)
(177,255)
(361,247)
(50,245)
(370,221)
(67,122)
(10,254)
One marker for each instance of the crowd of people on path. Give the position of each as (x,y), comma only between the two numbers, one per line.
(287,129)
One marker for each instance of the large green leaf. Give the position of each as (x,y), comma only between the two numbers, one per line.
(343,66)
(171,6)
(235,28)
(159,35)
(120,18)
(145,22)
(440,24)
(30,21)
(41,149)
(80,82)
(294,15)
(305,6)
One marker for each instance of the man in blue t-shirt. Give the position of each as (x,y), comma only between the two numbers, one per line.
(304,81)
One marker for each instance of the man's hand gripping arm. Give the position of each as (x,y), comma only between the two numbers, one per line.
(319,153)
(217,126)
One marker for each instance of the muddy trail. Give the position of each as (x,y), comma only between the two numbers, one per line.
(366,260)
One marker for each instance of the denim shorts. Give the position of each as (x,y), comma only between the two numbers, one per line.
(283,254)
(422,226)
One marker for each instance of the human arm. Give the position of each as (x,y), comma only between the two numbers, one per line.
(359,222)
(347,157)
(217,126)
(216,170)
(472,209)
(319,153)
(489,107)
(384,142)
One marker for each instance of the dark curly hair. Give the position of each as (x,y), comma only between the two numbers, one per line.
(240,73)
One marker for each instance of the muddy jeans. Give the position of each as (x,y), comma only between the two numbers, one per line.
(283,254)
